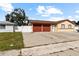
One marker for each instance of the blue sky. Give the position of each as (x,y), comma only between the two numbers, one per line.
(43,11)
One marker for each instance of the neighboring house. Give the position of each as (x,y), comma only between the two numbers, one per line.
(6,26)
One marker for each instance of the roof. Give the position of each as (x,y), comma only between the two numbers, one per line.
(6,23)
(57,22)
(40,21)
(51,22)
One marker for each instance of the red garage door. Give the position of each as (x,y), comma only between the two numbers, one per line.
(46,28)
(36,27)
(41,27)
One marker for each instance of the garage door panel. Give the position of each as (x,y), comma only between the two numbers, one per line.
(37,28)
(46,28)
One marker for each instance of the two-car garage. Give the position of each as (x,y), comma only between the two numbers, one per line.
(41,27)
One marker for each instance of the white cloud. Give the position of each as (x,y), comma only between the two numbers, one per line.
(76,16)
(7,7)
(56,18)
(40,9)
(71,18)
(77,11)
(45,15)
(48,10)
(54,11)
(61,18)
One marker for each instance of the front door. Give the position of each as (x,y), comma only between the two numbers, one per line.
(53,28)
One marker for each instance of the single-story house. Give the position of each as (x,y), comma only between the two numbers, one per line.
(6,26)
(52,26)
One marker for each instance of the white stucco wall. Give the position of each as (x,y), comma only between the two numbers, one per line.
(7,29)
(24,29)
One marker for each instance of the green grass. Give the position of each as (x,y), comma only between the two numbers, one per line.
(11,40)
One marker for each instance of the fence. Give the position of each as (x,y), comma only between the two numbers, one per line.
(23,29)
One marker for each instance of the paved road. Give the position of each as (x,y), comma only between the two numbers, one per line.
(44,38)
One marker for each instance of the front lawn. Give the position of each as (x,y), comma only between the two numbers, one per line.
(11,40)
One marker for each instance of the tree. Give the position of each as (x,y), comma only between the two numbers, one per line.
(17,16)
(77,22)
(7,17)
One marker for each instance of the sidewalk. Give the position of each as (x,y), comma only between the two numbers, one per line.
(51,49)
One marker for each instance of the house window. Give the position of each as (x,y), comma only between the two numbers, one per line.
(63,26)
(69,26)
(2,26)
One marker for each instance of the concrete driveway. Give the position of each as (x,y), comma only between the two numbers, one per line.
(45,38)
